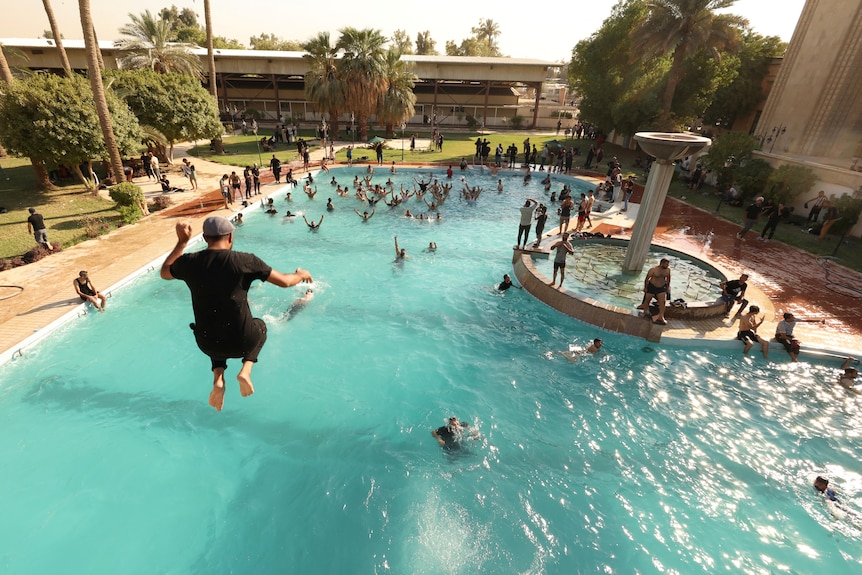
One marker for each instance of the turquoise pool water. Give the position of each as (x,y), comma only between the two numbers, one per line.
(642,459)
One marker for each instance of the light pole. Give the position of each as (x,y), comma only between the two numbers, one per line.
(728,165)
(403,125)
(776,133)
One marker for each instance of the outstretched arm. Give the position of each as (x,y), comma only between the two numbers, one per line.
(288,280)
(184,233)
(397,250)
(306,221)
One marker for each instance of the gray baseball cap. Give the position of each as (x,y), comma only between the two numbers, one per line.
(215,226)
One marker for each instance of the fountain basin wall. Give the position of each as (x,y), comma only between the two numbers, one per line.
(607,315)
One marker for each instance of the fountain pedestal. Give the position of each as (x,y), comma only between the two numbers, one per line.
(665,147)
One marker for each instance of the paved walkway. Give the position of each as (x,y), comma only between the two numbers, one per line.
(789,279)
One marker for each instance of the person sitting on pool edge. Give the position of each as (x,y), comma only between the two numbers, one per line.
(88,292)
(747,334)
(449,435)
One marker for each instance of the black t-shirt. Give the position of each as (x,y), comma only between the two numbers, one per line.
(36,221)
(219,281)
(752,211)
(734,287)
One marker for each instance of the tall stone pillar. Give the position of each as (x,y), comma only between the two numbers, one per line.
(665,148)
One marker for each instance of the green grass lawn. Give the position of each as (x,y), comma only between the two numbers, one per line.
(63,209)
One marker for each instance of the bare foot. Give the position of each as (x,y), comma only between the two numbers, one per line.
(641,306)
(217,397)
(244,379)
(217,394)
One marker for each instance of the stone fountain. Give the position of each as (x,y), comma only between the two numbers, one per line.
(666,148)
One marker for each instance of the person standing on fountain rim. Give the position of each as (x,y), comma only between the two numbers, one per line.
(657,285)
(219,279)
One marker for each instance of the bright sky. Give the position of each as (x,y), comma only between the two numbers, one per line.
(548,32)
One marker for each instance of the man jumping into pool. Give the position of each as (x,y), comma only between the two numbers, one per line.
(219,279)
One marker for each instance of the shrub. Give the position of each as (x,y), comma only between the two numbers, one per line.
(127,194)
(561,114)
(130,214)
(35,254)
(789,181)
(472,122)
(94,226)
(160,203)
(517,121)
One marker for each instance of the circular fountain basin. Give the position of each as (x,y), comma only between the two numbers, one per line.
(594,271)
(597,291)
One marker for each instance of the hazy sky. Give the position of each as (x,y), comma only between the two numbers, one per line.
(547,33)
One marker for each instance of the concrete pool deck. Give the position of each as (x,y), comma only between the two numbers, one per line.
(782,278)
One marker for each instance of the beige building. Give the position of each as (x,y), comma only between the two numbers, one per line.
(493,91)
(813,116)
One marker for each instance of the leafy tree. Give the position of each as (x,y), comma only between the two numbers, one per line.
(397,103)
(739,97)
(681,29)
(468,47)
(273,42)
(486,32)
(174,104)
(614,91)
(149,45)
(790,180)
(425,45)
(752,177)
(401,42)
(362,68)
(324,85)
(52,118)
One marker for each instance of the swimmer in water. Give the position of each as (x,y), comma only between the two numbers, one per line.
(575,352)
(432,247)
(300,303)
(329,206)
(821,484)
(364,215)
(400,253)
(506,283)
(847,380)
(311,225)
(451,434)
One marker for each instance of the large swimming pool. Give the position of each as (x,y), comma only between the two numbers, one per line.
(642,459)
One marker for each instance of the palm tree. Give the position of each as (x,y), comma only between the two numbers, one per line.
(58,38)
(425,44)
(5,70)
(149,46)
(95,74)
(217,141)
(362,68)
(682,28)
(396,103)
(488,30)
(323,84)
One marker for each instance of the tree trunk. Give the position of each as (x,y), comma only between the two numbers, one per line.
(673,77)
(43,182)
(333,125)
(362,123)
(98,51)
(217,141)
(88,183)
(5,71)
(58,38)
(95,74)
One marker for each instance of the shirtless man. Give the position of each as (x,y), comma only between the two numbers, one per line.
(575,352)
(88,292)
(311,225)
(748,324)
(400,253)
(657,285)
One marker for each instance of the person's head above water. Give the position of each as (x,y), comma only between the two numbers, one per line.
(821,483)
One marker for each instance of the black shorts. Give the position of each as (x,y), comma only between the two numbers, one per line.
(745,336)
(247,348)
(656,290)
(559,265)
